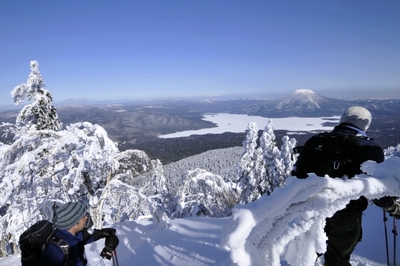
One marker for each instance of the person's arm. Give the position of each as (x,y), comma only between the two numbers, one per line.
(97,234)
(103,233)
(87,237)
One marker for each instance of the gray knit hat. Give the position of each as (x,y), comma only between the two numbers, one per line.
(69,215)
(357,116)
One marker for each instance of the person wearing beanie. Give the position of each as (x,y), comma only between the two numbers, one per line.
(71,221)
(69,215)
(343,229)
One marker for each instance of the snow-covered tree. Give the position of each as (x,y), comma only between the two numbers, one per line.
(263,169)
(288,158)
(392,151)
(158,179)
(118,202)
(248,182)
(159,211)
(269,166)
(44,168)
(204,194)
(250,152)
(160,197)
(41,114)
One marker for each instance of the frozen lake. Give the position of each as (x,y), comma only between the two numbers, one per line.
(236,123)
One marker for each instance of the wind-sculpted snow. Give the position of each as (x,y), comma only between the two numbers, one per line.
(289,224)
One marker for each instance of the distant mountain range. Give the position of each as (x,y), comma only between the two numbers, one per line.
(138,125)
(307,103)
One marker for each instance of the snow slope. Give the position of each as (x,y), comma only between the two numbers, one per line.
(207,241)
(195,241)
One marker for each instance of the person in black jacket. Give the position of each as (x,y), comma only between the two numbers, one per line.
(344,229)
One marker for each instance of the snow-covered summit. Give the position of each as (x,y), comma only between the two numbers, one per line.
(303,91)
(302,100)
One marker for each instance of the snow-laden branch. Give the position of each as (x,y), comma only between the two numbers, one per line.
(290,222)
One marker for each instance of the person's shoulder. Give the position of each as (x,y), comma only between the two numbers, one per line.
(367,141)
(65,234)
(371,150)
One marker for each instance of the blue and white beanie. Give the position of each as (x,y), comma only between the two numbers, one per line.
(357,116)
(69,215)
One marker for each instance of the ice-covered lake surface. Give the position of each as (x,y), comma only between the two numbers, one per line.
(237,123)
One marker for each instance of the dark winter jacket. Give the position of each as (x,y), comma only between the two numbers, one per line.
(362,149)
(365,148)
(54,256)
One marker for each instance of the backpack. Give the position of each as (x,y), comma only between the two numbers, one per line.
(34,240)
(327,153)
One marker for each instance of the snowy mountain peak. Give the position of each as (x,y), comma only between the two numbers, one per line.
(302,100)
(303,91)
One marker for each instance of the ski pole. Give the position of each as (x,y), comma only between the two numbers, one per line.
(386,238)
(102,261)
(394,240)
(115,258)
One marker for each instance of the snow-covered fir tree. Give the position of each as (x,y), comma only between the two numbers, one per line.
(263,169)
(248,182)
(288,158)
(269,166)
(158,179)
(40,114)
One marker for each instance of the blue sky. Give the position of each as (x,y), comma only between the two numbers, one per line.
(112,50)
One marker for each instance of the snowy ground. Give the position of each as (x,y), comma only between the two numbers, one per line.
(238,123)
(196,241)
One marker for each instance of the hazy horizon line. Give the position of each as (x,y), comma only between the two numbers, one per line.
(384,94)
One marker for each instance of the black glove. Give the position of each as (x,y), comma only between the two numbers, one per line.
(102,233)
(107,253)
(394,210)
(111,244)
(390,205)
(384,202)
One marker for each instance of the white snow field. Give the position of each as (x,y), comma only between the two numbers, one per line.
(281,229)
